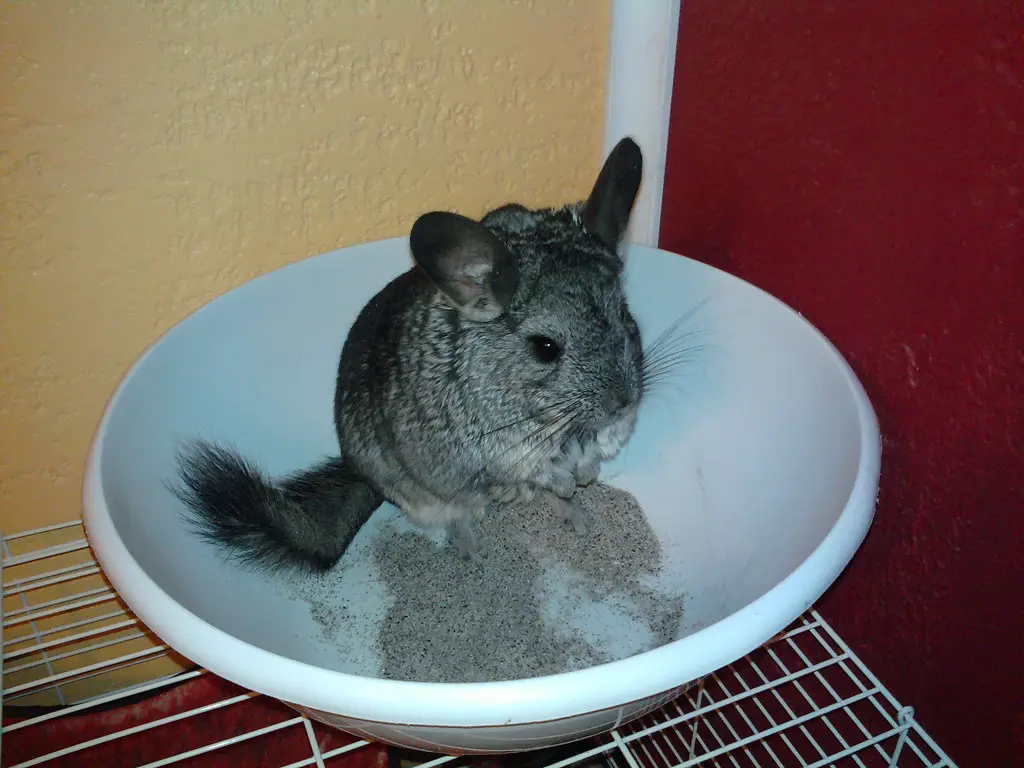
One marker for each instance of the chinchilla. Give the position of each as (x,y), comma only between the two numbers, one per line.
(504,363)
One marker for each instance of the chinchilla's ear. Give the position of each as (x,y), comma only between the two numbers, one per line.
(466,262)
(606,212)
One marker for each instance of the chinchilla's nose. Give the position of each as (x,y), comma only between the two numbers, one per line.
(618,398)
(615,401)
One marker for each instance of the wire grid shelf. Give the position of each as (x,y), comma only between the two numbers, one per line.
(71,650)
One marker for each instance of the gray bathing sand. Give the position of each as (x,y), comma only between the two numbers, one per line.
(403,605)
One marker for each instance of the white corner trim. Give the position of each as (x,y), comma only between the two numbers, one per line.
(638,98)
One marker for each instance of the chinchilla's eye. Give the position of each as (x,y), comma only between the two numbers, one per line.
(545,349)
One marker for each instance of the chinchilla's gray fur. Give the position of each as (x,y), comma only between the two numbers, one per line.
(504,363)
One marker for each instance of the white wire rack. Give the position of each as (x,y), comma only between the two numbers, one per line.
(84,684)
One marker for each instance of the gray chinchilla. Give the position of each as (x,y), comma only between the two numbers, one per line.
(504,363)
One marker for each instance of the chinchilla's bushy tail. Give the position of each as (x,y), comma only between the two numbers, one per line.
(306,520)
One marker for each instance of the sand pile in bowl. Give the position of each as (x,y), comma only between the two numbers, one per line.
(546,599)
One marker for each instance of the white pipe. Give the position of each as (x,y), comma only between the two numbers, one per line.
(638,100)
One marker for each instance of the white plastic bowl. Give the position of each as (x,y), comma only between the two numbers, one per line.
(759,473)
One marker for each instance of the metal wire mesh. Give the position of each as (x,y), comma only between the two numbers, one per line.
(71,648)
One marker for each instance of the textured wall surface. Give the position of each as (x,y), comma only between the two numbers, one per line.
(864,162)
(155,154)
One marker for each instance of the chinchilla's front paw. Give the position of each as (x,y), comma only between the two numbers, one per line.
(561,483)
(587,472)
(572,513)
(468,542)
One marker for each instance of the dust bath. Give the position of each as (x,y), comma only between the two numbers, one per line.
(403,605)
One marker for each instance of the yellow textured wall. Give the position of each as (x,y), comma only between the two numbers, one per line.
(155,154)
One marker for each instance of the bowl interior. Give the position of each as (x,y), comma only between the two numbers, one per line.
(743,463)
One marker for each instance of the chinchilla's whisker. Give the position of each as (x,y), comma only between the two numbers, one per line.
(541,434)
(528,417)
(567,426)
(673,330)
(546,434)
(670,342)
(665,373)
(573,428)
(668,361)
(552,425)
(675,347)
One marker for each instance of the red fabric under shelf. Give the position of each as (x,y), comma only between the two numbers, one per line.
(282,747)
(279,748)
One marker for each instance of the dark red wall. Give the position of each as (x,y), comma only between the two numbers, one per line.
(864,162)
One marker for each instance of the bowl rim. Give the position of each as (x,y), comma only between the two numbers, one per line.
(498,703)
